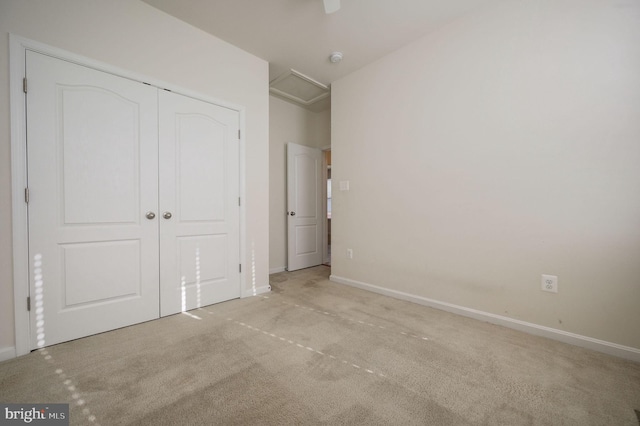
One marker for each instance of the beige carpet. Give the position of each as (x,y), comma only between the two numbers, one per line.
(316,352)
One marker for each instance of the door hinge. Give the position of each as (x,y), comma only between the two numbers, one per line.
(239,134)
(239,201)
(28,303)
(240,267)
(26,195)
(24,85)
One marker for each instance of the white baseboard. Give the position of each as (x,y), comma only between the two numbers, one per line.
(7,353)
(610,348)
(256,291)
(276,270)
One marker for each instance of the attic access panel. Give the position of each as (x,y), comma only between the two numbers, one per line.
(299,88)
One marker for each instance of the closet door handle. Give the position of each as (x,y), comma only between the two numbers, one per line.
(166,215)
(150,215)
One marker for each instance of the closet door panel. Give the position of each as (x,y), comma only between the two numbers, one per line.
(199,190)
(92,148)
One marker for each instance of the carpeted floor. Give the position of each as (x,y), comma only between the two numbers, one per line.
(316,352)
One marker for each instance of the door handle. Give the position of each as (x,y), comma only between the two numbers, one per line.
(166,215)
(150,215)
(292,213)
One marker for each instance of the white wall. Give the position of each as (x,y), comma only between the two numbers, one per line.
(288,123)
(502,147)
(134,36)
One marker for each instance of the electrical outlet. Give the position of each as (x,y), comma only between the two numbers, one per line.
(550,283)
(349,253)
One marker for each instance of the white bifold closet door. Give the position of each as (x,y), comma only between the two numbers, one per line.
(132,201)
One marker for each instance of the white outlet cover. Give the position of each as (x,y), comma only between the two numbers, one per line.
(549,283)
(344,185)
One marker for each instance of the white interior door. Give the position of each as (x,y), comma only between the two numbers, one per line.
(304,207)
(92,175)
(199,203)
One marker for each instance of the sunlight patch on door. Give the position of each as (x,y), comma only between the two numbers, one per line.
(183,291)
(39,299)
(100,272)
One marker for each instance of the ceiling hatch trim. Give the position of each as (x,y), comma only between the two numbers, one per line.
(299,88)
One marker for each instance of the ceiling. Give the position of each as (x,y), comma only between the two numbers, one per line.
(298,35)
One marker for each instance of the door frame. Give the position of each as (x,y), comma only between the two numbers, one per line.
(18,47)
(325,232)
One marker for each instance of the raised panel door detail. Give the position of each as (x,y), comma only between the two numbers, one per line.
(200,143)
(202,260)
(306,186)
(100,272)
(99,138)
(306,239)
